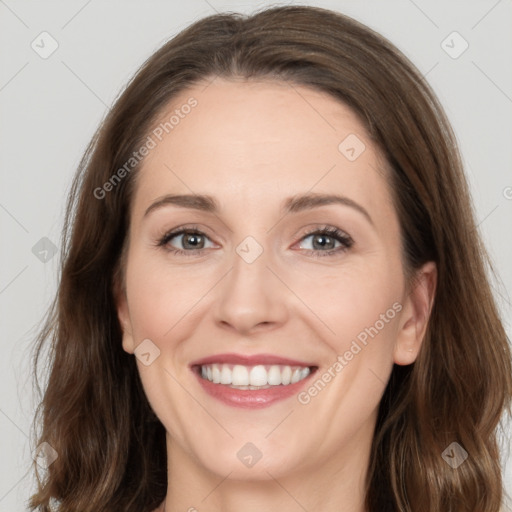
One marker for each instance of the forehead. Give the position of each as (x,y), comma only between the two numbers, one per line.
(253,142)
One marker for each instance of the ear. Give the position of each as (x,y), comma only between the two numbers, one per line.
(123,314)
(415,315)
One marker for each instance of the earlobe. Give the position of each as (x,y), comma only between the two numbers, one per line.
(415,315)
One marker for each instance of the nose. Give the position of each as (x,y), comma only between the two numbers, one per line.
(251,297)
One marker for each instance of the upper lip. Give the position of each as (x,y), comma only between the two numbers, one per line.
(252,360)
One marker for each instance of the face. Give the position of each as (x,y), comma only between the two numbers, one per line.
(301,299)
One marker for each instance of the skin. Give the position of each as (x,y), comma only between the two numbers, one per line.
(251,145)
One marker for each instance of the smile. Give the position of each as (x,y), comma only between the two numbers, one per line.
(251,381)
(253,377)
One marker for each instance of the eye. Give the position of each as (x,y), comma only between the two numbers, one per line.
(323,241)
(192,240)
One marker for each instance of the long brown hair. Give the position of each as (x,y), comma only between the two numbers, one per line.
(94,413)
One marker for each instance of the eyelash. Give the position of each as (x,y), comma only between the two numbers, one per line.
(346,241)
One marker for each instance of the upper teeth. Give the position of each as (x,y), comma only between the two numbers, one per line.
(239,375)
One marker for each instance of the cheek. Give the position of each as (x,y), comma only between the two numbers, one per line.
(362,309)
(161,303)
(357,302)
(365,314)
(159,296)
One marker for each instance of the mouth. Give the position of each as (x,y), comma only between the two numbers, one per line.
(253,377)
(251,381)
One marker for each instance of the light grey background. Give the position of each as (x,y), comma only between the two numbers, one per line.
(51,107)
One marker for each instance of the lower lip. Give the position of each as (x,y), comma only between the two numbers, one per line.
(250,398)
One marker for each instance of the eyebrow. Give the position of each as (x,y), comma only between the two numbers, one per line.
(292,204)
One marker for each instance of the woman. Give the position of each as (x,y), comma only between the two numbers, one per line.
(273,294)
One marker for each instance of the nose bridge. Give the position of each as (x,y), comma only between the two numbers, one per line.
(251,294)
(250,263)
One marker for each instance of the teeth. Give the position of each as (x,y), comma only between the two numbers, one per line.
(258,376)
(253,377)
(239,375)
(296,376)
(286,375)
(226,377)
(215,375)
